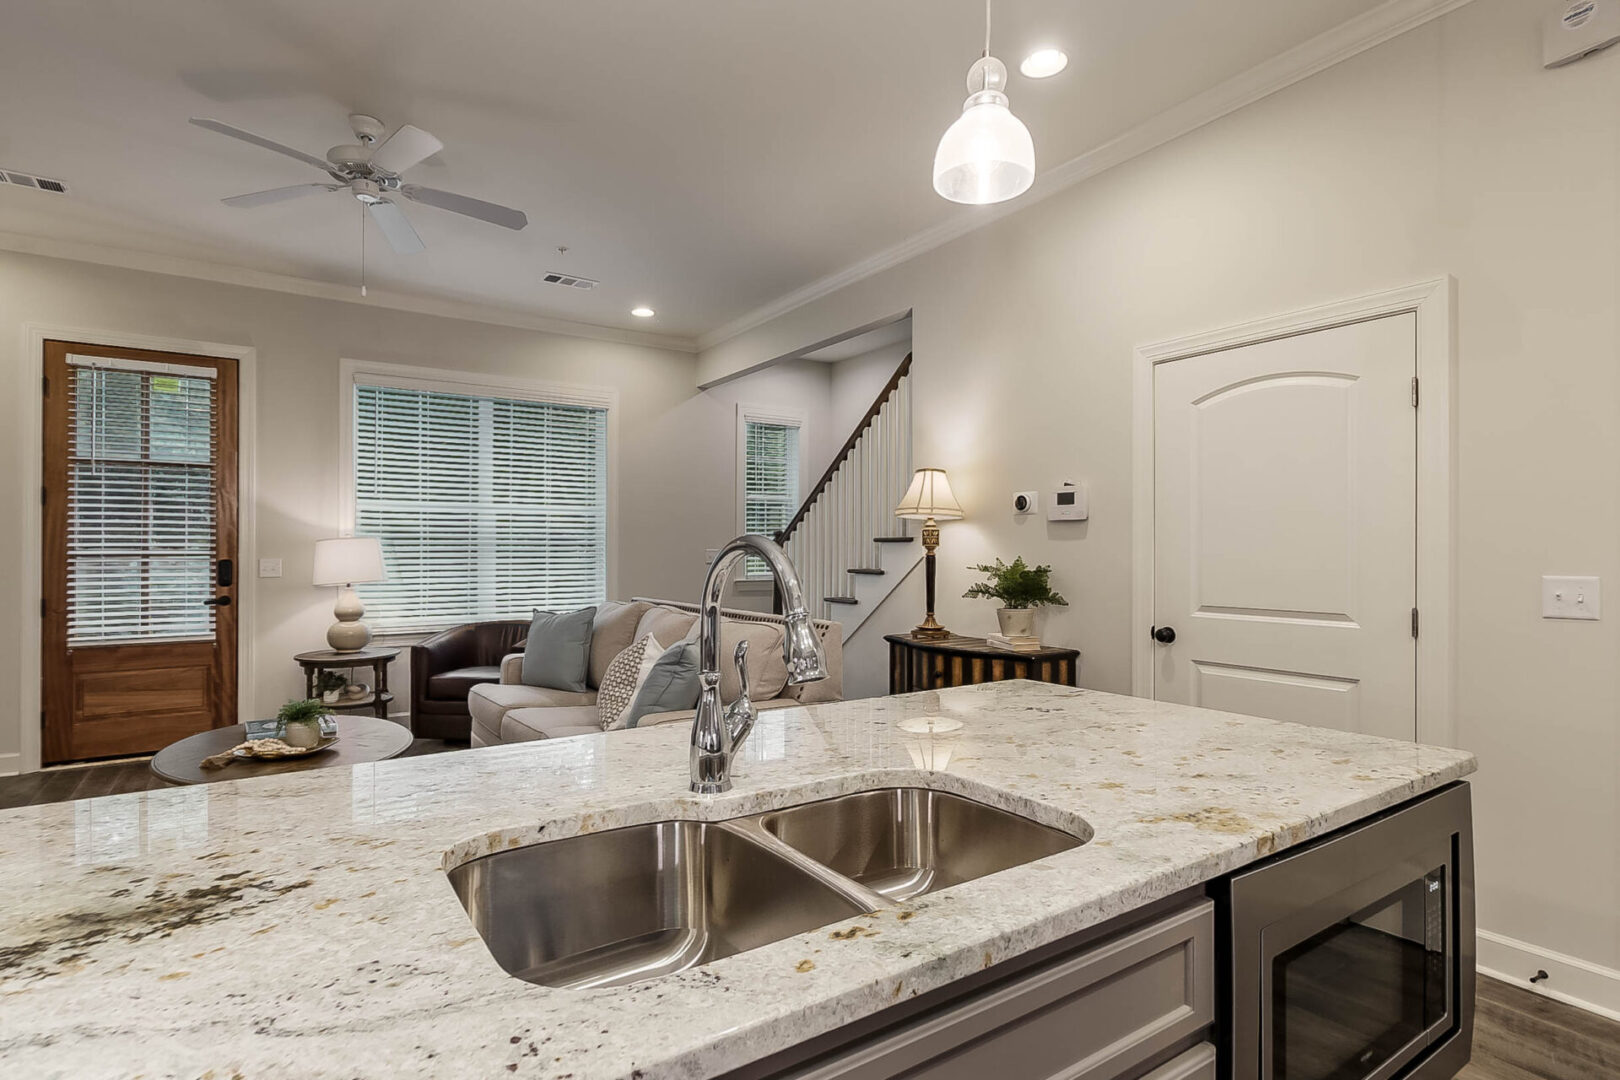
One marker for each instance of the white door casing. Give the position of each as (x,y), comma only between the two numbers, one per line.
(1286,528)
(1293,508)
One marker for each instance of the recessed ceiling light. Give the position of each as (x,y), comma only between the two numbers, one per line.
(1044,63)
(643,312)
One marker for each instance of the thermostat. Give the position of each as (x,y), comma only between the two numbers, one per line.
(1068,503)
(1026,502)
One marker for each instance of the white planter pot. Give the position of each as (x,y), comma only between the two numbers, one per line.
(304,734)
(1016,622)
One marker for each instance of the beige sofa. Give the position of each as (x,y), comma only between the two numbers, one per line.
(510,711)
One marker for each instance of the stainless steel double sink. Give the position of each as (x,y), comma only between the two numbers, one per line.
(617,907)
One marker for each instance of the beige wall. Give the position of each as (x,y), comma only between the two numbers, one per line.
(1446,151)
(667,434)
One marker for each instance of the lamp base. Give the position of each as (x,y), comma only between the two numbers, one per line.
(925,632)
(348,634)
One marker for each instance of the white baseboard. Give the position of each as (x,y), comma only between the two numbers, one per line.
(10,764)
(1570,979)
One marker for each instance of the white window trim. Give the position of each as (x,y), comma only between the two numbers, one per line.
(448,380)
(765,414)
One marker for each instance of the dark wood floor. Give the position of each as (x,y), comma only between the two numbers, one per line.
(117,777)
(1518,1035)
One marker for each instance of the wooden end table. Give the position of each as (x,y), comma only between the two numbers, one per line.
(964,661)
(360,739)
(377,660)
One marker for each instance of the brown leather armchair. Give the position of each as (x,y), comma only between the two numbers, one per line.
(448,664)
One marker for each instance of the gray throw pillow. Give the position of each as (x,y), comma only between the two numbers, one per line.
(671,685)
(558,654)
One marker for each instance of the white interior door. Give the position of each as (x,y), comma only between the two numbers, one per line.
(1285,532)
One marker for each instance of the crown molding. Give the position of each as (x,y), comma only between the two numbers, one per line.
(181,266)
(1366,31)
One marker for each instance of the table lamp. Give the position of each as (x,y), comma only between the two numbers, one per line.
(930,501)
(345,562)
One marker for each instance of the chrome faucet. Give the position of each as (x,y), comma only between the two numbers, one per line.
(718,736)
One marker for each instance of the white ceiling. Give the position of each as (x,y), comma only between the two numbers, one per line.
(703,157)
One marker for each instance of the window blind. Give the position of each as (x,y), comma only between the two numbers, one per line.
(486,507)
(140,514)
(770,482)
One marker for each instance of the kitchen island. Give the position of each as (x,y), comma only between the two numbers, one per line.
(304,926)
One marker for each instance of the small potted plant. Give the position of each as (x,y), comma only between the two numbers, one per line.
(1021,588)
(330,686)
(301,723)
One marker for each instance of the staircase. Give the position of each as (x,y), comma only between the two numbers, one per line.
(850,549)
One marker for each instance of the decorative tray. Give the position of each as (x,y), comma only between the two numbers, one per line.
(266,750)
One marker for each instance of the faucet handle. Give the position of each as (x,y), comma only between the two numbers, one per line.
(741,656)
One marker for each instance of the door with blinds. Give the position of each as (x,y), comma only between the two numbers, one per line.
(139,642)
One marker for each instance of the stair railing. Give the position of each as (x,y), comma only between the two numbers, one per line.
(835,535)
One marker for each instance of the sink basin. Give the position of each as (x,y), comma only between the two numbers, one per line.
(903,842)
(617,907)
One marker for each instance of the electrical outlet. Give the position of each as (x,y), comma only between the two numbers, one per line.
(1571,598)
(269,567)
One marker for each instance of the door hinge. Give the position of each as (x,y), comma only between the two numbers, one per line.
(42,607)
(44,495)
(1415,394)
(42,719)
(45,385)
(1414,622)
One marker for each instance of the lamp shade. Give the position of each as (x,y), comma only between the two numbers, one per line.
(929,497)
(986,156)
(348,560)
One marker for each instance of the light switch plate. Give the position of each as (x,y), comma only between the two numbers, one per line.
(269,567)
(1571,598)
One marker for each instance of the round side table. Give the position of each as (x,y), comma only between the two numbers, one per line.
(377,660)
(360,739)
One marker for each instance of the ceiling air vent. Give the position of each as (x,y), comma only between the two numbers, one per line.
(38,182)
(571,281)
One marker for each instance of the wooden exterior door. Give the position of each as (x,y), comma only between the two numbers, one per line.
(139,643)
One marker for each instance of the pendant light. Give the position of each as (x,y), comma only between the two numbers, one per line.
(986,156)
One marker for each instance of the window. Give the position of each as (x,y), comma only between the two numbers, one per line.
(489,501)
(769,468)
(140,500)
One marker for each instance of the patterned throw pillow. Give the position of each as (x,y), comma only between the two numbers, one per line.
(623,678)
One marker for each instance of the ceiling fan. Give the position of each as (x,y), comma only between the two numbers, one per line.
(369,170)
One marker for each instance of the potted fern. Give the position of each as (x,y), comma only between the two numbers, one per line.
(301,723)
(1022,590)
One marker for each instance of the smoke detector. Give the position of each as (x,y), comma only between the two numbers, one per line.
(28,180)
(572,281)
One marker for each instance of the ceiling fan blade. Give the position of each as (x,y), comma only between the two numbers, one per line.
(404,148)
(275,195)
(396,227)
(493,213)
(259,140)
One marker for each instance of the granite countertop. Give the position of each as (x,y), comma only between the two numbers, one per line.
(302,925)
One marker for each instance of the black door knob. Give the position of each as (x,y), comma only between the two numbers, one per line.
(1164,635)
(218,601)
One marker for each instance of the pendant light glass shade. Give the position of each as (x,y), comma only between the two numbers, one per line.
(986,156)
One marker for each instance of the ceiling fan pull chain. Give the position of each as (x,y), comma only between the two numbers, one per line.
(362,250)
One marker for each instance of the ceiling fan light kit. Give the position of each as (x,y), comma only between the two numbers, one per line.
(369,169)
(987,155)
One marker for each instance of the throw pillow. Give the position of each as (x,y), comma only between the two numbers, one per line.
(624,675)
(671,685)
(558,653)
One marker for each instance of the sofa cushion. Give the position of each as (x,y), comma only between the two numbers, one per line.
(527,725)
(671,684)
(667,624)
(558,652)
(453,685)
(612,632)
(488,702)
(623,681)
(767,671)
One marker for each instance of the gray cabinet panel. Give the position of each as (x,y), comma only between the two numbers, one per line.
(1196,1064)
(1097,1014)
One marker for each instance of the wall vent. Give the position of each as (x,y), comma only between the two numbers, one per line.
(571,280)
(39,183)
